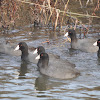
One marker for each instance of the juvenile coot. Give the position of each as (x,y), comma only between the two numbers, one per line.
(97,43)
(85,45)
(26,55)
(56,69)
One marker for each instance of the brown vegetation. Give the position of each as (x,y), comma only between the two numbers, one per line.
(51,13)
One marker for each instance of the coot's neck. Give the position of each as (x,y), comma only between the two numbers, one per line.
(43,63)
(73,37)
(98,53)
(24,55)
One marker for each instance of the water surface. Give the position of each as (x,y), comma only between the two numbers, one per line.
(22,81)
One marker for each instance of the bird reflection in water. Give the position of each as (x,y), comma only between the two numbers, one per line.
(41,82)
(98,61)
(23,70)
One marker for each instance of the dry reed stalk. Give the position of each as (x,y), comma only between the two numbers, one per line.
(89,1)
(76,21)
(55,3)
(96,8)
(51,10)
(80,3)
(57,11)
(83,15)
(9,11)
(44,12)
(64,13)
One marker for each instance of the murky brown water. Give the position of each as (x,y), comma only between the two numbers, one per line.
(23,82)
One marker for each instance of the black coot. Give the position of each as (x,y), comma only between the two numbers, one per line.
(8,48)
(40,49)
(85,45)
(97,43)
(56,69)
(26,55)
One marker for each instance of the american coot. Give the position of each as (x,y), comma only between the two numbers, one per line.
(85,45)
(97,43)
(52,57)
(26,55)
(56,69)
(8,48)
(40,49)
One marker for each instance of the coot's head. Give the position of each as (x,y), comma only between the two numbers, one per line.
(71,33)
(42,56)
(97,43)
(22,46)
(43,60)
(39,50)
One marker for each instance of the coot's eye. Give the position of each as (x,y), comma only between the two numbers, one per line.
(98,41)
(41,54)
(38,49)
(21,45)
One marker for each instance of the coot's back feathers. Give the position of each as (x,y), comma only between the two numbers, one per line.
(8,48)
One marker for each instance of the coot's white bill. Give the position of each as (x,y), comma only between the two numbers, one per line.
(35,51)
(66,34)
(17,48)
(95,44)
(38,57)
